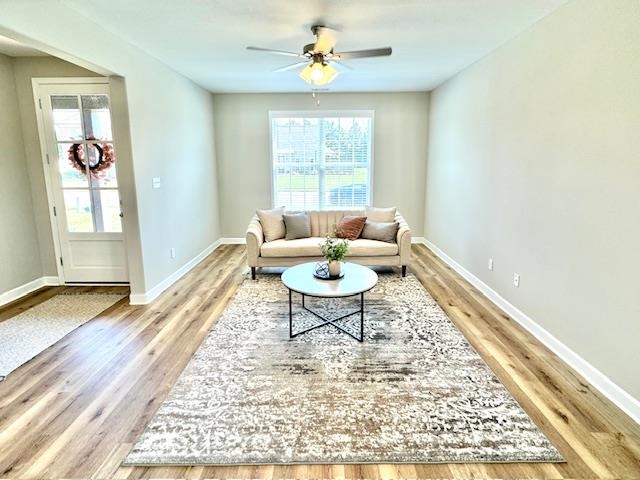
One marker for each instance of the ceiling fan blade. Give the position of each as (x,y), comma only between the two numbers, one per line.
(341,67)
(374,52)
(278,52)
(291,67)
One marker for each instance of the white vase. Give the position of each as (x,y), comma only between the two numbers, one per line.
(334,268)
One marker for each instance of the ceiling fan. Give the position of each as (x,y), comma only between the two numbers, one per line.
(318,56)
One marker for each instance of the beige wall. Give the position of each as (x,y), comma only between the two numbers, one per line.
(26,68)
(534,160)
(243,150)
(170,135)
(19,250)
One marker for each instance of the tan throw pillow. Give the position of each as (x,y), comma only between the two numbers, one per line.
(350,227)
(381,214)
(381,231)
(297,225)
(272,223)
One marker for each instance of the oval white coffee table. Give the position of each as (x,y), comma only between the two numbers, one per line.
(357,280)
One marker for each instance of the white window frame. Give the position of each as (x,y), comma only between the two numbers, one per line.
(273,114)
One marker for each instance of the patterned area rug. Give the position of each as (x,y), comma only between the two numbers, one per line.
(27,334)
(414,392)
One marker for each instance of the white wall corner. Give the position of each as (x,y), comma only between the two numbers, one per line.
(150,295)
(19,292)
(621,398)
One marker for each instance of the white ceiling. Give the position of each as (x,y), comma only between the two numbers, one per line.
(12,48)
(205,39)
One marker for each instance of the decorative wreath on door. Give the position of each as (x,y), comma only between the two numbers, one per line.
(106,158)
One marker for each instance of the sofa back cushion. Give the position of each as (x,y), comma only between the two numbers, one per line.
(327,221)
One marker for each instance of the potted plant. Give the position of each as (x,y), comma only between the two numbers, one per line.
(334,250)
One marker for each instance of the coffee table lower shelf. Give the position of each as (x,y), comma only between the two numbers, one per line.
(326,320)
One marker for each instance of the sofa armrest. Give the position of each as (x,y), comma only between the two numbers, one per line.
(403,239)
(254,238)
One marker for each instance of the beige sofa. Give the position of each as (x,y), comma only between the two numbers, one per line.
(284,253)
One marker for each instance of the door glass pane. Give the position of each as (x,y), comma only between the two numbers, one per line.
(105,174)
(78,209)
(95,113)
(70,177)
(66,117)
(110,205)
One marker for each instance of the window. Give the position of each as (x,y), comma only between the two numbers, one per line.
(321,160)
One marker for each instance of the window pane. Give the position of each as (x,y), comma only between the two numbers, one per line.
(70,176)
(95,114)
(66,117)
(105,177)
(321,163)
(299,192)
(110,210)
(78,209)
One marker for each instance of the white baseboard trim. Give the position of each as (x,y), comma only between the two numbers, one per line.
(18,292)
(234,241)
(627,403)
(150,295)
(420,240)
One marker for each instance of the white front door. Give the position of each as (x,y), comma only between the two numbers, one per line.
(82,164)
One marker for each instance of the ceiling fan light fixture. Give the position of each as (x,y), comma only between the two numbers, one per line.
(305,73)
(318,73)
(330,73)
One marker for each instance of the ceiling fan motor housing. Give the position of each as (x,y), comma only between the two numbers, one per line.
(308,49)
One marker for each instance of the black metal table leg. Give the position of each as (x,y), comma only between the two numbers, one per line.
(327,321)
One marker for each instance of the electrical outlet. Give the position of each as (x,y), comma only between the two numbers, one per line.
(156,182)
(173,252)
(516,279)
(490,265)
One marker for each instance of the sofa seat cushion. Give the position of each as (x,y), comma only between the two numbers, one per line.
(300,247)
(310,247)
(363,247)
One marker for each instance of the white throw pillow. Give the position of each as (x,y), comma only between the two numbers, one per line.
(272,223)
(381,214)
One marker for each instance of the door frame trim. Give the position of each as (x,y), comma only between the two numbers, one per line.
(36,83)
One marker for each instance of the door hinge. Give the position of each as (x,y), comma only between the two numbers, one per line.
(55,212)
(40,103)
(48,161)
(61,262)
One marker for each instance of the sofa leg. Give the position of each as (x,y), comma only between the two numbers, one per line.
(253,273)
(404,270)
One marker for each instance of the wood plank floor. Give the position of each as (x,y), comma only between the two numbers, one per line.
(75,410)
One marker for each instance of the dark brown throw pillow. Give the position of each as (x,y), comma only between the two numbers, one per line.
(350,227)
